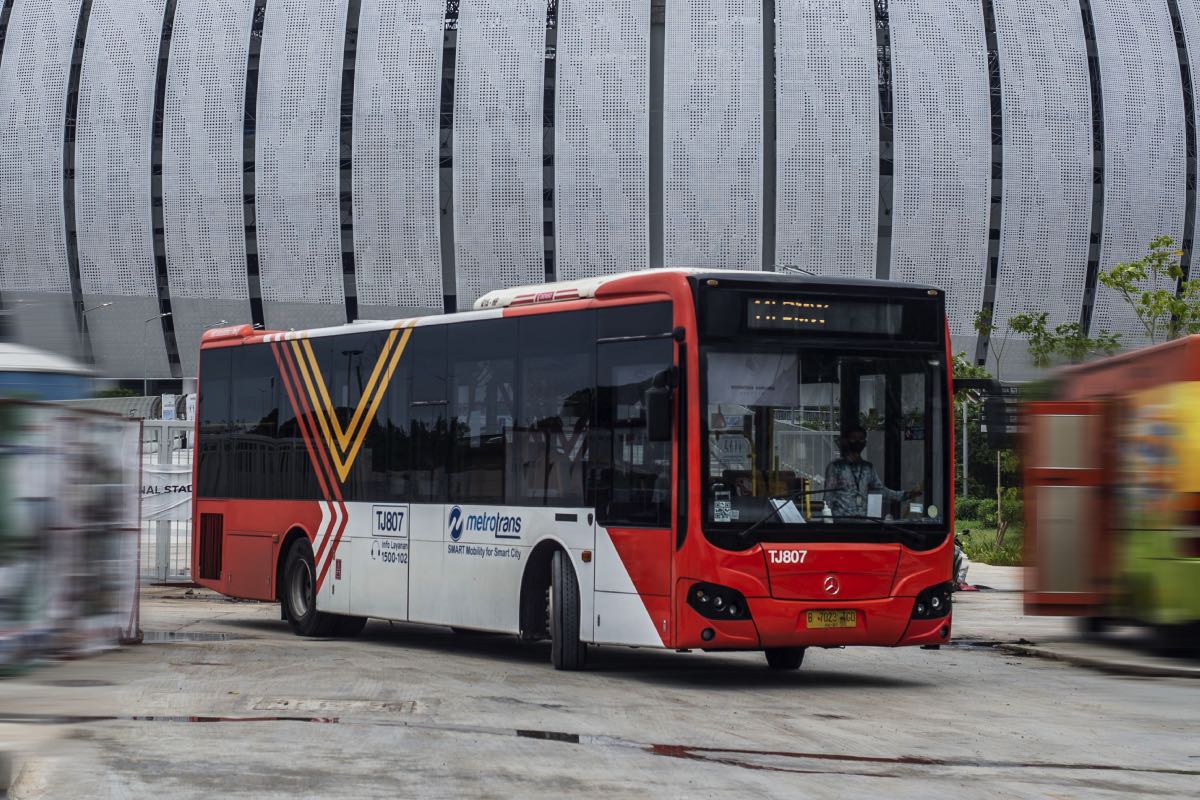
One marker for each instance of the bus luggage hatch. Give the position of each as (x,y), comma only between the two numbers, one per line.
(1066,529)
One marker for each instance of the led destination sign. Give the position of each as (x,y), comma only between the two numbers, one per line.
(826,314)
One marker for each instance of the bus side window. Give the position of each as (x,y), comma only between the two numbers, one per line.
(420,447)
(553,426)
(482,408)
(254,423)
(212,409)
(631,482)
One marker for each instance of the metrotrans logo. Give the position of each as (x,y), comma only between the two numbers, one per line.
(500,525)
(456,523)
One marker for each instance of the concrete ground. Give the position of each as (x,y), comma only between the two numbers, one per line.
(226,702)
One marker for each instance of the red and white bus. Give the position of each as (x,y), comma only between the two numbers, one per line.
(668,458)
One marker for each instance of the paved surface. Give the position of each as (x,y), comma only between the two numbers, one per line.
(237,706)
(995,616)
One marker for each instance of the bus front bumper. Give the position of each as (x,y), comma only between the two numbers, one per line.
(885,622)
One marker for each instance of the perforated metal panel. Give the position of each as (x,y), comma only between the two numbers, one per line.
(113,138)
(33,86)
(827,140)
(1047,159)
(398,78)
(296,153)
(112,148)
(202,149)
(712,135)
(498,146)
(601,137)
(1145,173)
(942,150)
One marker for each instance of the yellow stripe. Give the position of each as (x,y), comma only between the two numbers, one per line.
(318,412)
(375,401)
(344,437)
(336,440)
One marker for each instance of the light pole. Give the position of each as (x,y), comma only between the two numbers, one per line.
(84,336)
(145,364)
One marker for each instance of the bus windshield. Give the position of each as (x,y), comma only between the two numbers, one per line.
(799,435)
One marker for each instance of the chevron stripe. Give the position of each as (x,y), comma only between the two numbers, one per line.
(343,445)
(333,510)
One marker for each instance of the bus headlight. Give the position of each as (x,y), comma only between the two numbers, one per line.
(933,603)
(718,602)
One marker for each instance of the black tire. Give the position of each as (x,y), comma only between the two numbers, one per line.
(782,658)
(298,593)
(1091,628)
(566,651)
(1175,641)
(349,627)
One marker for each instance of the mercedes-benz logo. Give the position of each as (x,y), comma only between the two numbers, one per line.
(831,585)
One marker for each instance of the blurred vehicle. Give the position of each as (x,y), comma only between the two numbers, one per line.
(31,374)
(1113,493)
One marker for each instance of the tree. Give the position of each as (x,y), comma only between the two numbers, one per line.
(982,456)
(985,326)
(1067,340)
(1166,305)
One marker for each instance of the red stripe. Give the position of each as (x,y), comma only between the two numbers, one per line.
(306,432)
(336,541)
(336,489)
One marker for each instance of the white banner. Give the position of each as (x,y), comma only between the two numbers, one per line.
(166,491)
(754,379)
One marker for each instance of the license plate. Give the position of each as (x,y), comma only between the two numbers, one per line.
(832,619)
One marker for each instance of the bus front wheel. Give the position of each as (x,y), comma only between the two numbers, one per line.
(784,657)
(300,593)
(566,651)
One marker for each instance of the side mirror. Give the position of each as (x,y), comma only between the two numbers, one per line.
(658,414)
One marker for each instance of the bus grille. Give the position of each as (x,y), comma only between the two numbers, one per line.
(212,526)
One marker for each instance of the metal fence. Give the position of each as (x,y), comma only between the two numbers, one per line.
(166,545)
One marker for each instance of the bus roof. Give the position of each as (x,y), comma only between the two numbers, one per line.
(493,303)
(588,287)
(1169,362)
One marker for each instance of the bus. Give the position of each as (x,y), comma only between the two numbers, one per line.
(1112,477)
(671,458)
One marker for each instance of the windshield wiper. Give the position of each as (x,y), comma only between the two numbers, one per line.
(778,507)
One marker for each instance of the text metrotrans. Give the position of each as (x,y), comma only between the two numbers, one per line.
(655,459)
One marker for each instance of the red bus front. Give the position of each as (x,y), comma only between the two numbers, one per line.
(821,507)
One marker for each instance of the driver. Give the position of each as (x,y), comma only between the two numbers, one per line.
(849,479)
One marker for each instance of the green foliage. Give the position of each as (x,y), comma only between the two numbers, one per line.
(1041,341)
(968,507)
(1076,346)
(1067,342)
(961,367)
(118,391)
(985,512)
(1166,305)
(981,548)
(985,325)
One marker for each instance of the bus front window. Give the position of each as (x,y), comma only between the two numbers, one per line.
(804,435)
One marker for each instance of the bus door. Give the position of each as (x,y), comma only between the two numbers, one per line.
(633,489)
(1066,508)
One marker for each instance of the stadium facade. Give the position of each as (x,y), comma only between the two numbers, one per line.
(166,165)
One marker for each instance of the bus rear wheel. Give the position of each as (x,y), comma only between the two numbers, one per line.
(299,594)
(566,651)
(784,657)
